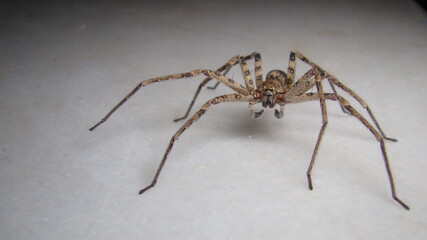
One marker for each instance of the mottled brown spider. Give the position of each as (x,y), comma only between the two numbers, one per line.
(278,88)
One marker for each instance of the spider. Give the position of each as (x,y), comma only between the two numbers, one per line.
(278,88)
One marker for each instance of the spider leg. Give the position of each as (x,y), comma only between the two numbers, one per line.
(246,74)
(195,117)
(322,129)
(380,138)
(258,68)
(308,97)
(291,66)
(332,96)
(209,73)
(302,85)
(334,81)
(226,67)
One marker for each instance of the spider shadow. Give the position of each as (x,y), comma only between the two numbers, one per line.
(268,128)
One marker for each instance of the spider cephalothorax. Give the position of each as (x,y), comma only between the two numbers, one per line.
(272,92)
(278,88)
(272,86)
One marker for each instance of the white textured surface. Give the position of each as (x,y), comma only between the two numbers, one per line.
(63,66)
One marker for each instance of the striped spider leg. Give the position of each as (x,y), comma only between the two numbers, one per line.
(298,94)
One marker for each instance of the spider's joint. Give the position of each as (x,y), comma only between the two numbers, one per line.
(322,74)
(292,56)
(313,71)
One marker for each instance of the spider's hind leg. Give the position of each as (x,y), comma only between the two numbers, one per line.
(201,85)
(378,136)
(208,73)
(194,118)
(318,82)
(335,92)
(336,82)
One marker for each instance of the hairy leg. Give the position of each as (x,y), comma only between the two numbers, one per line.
(378,136)
(322,129)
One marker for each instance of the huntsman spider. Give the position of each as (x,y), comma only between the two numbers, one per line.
(278,88)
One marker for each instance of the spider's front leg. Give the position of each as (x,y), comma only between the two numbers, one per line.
(209,73)
(321,96)
(205,107)
(380,138)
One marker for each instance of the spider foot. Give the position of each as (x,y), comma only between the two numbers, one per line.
(179,119)
(310,185)
(390,139)
(146,188)
(401,203)
(96,125)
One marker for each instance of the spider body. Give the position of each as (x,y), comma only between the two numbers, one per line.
(272,89)
(277,88)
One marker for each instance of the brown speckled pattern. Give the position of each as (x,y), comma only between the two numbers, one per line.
(278,88)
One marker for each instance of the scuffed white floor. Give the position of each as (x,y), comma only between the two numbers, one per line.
(63,66)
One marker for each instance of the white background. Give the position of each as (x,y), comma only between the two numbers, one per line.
(63,66)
